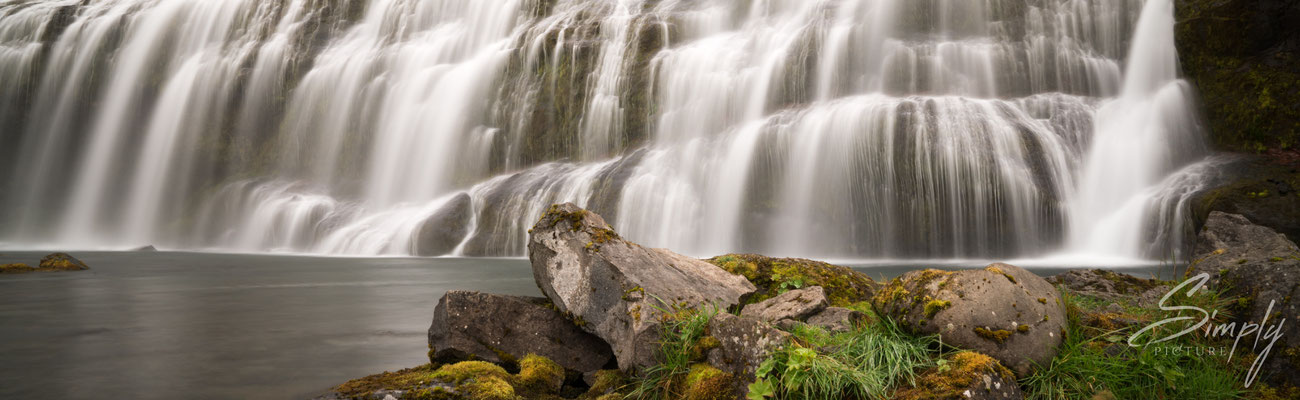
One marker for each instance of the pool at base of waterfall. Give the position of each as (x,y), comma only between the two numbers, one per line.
(154,325)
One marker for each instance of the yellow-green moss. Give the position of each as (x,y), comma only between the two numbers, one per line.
(539,374)
(771,276)
(607,382)
(961,372)
(464,370)
(702,346)
(1022,328)
(934,306)
(999,271)
(704,382)
(406,379)
(489,387)
(999,335)
(16,268)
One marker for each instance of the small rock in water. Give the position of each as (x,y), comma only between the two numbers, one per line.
(15,268)
(62,262)
(145,248)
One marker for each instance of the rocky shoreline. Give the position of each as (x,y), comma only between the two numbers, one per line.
(619,320)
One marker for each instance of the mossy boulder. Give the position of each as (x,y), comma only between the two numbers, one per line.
(1001,310)
(62,262)
(1261,268)
(773,276)
(617,289)
(965,375)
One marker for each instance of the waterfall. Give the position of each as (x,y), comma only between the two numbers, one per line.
(822,128)
(1140,138)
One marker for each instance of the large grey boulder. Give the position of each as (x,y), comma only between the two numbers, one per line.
(502,329)
(1262,268)
(445,229)
(743,344)
(795,305)
(1001,310)
(617,289)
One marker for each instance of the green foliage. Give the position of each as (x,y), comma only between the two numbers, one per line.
(1094,359)
(865,362)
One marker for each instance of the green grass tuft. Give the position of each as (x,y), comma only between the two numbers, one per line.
(866,362)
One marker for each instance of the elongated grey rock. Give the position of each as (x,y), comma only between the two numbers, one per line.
(617,289)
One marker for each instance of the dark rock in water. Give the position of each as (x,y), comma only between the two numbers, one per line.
(145,248)
(796,305)
(743,344)
(62,262)
(967,375)
(16,268)
(445,229)
(1111,286)
(837,319)
(1262,268)
(1001,310)
(617,289)
(503,329)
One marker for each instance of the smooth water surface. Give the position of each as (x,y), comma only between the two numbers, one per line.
(198,326)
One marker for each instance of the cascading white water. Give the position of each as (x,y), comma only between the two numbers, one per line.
(1139,139)
(851,128)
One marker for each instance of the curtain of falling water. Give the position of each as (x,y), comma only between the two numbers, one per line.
(853,128)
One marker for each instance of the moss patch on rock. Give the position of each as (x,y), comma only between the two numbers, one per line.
(539,374)
(538,378)
(410,379)
(704,382)
(957,375)
(773,276)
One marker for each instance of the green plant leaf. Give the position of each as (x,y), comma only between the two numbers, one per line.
(761,389)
